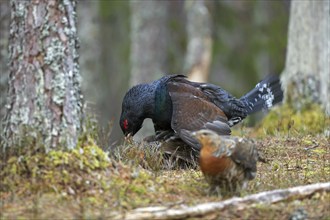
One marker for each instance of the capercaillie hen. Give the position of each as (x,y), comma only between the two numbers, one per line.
(227,162)
(177,105)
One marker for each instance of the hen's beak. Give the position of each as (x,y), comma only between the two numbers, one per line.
(128,138)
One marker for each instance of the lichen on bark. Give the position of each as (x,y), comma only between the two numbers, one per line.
(302,92)
(306,76)
(4,37)
(45,101)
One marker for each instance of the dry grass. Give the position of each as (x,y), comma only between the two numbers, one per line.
(134,177)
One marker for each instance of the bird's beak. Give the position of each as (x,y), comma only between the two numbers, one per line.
(129,137)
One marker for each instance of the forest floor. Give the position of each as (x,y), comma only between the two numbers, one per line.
(75,185)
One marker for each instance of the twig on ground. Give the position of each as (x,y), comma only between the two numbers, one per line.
(266,197)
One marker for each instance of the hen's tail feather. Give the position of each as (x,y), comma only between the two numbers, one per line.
(267,93)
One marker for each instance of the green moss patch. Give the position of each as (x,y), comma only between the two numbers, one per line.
(284,120)
(90,183)
(58,171)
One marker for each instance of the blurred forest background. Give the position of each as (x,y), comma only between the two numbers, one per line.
(123,43)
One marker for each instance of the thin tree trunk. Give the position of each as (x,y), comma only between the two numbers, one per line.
(44,87)
(199,51)
(306,78)
(148,40)
(324,59)
(4,72)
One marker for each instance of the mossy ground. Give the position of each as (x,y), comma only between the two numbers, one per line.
(89,183)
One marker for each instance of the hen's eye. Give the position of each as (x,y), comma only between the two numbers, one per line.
(125,124)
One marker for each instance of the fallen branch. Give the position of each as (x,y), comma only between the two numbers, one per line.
(266,197)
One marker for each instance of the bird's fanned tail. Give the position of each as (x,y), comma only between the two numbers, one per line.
(267,93)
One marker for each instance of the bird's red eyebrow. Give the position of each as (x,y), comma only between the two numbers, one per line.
(125,124)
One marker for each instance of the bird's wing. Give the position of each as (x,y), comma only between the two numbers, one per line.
(192,111)
(246,155)
(234,108)
(225,146)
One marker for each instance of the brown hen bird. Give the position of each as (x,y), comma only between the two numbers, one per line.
(227,162)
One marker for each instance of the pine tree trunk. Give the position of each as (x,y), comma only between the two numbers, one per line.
(306,78)
(4,72)
(324,59)
(44,87)
(148,40)
(199,51)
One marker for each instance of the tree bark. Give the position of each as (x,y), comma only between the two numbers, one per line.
(324,59)
(199,50)
(4,76)
(149,37)
(306,78)
(44,87)
(149,41)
